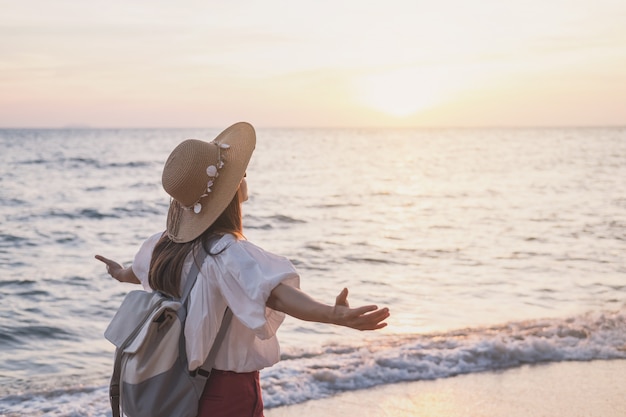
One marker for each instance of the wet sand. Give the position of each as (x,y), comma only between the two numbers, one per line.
(567,389)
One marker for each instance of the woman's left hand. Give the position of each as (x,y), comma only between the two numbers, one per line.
(300,305)
(362,318)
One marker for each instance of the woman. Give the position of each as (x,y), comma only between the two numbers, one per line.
(207,184)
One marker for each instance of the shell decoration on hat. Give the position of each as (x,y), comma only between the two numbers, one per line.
(212,172)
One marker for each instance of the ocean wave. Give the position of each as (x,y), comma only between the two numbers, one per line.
(81,162)
(86,213)
(305,376)
(8,240)
(138,209)
(71,162)
(18,282)
(12,202)
(277,221)
(15,335)
(130,164)
(285,219)
(72,402)
(370,260)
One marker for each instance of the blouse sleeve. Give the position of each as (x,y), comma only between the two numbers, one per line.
(248,276)
(141,263)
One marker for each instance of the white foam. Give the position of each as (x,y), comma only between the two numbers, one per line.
(70,403)
(422,357)
(306,375)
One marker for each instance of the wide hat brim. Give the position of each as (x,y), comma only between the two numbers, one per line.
(187,166)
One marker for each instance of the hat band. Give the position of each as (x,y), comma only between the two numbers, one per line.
(212,171)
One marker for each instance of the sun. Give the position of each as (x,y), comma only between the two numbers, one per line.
(404,92)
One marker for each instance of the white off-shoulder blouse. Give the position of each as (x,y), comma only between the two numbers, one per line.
(239,275)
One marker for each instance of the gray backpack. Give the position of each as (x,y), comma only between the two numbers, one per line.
(150,374)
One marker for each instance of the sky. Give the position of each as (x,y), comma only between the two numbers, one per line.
(278,63)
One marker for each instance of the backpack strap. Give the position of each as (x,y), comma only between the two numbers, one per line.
(114,387)
(207,366)
(205,369)
(192,276)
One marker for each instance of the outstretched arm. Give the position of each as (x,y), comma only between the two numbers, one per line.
(118,272)
(300,305)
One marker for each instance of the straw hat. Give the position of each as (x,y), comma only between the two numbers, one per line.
(202,179)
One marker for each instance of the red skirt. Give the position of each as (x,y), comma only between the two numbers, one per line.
(231,394)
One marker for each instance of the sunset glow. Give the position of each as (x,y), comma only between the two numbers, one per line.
(405,92)
(275,63)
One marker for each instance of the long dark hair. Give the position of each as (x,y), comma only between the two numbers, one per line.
(166,264)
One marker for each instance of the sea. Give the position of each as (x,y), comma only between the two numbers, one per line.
(493,248)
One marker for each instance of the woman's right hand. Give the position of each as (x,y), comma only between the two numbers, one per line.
(117,271)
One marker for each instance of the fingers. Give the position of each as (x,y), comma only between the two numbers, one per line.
(374,320)
(113,268)
(379,316)
(103,259)
(110,263)
(368,318)
(359,311)
(375,316)
(342,298)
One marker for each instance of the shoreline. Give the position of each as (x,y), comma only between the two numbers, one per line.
(572,389)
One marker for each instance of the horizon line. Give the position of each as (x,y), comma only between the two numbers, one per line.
(433,127)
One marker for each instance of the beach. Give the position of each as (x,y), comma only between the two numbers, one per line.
(498,251)
(572,389)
